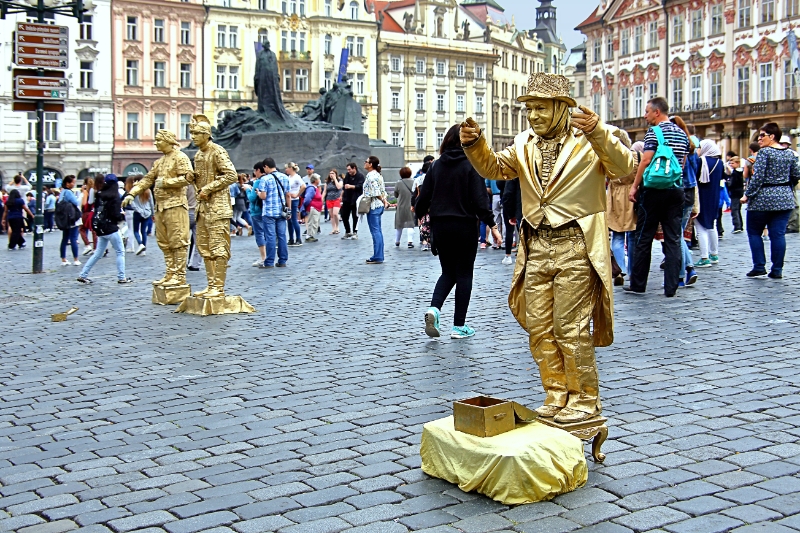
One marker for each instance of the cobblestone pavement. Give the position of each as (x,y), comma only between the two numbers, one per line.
(306,417)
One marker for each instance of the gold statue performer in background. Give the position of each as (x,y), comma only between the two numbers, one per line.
(562,280)
(171,174)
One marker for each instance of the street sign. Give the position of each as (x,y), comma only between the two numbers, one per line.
(40,94)
(41,46)
(30,106)
(29,87)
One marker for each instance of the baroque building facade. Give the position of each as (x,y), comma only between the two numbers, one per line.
(723,65)
(157,49)
(79,140)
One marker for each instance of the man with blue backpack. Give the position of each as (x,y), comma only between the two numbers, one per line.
(659,189)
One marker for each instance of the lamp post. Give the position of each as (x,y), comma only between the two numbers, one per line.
(70,9)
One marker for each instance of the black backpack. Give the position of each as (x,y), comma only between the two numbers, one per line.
(66,215)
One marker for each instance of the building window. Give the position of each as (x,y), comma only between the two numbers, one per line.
(697,91)
(480,72)
(743,85)
(717,22)
(87,127)
(284,41)
(767,10)
(744,14)
(262,5)
(505,119)
(186,33)
(524,66)
(186,121)
(233,37)
(792,8)
(441,68)
(132,29)
(233,78)
(625,45)
(461,69)
(697,24)
(287,80)
(350,43)
(638,39)
(505,59)
(495,118)
(765,82)
(395,64)
(221,72)
(328,80)
(513,91)
(460,104)
(677,29)
(420,140)
(32,121)
(581,88)
(361,82)
(87,81)
(301,79)
(440,102)
(159,122)
(677,94)
(638,101)
(789,81)
(222,35)
(652,90)
(132,72)
(505,90)
(609,50)
(420,66)
(514,61)
(396,138)
(133,126)
(439,139)
(624,102)
(395,101)
(596,50)
(328,44)
(360,47)
(479,104)
(158,31)
(716,89)
(51,126)
(354,10)
(302,5)
(186,75)
(159,74)
(86,28)
(263,37)
(596,103)
(514,121)
(420,101)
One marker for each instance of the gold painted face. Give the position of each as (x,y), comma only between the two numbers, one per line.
(540,114)
(162,145)
(200,138)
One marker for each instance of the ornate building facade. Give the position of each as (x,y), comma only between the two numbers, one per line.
(722,65)
(156,75)
(78,141)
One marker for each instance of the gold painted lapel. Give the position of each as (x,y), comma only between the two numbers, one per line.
(528,149)
(571,145)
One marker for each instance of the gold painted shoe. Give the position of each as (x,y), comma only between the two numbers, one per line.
(173,282)
(548,411)
(570,416)
(213,293)
(162,281)
(201,294)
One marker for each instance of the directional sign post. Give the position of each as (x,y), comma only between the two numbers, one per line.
(32,87)
(41,46)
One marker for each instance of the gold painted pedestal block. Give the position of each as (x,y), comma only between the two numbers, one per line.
(171,295)
(215,306)
(594,428)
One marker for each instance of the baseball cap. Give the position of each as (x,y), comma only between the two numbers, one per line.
(310,166)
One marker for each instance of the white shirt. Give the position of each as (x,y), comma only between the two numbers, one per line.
(295,184)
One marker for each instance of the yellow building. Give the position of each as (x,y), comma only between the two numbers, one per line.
(306,35)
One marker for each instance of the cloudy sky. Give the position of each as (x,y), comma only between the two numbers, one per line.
(569,13)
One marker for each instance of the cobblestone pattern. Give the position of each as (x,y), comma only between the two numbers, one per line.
(306,417)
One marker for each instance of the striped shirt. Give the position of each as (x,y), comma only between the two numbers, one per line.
(675,138)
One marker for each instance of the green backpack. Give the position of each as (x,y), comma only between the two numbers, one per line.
(664,171)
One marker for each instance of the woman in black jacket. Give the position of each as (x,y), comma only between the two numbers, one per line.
(107,215)
(455,197)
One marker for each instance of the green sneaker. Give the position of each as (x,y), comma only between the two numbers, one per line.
(462,332)
(714,259)
(703,263)
(432,322)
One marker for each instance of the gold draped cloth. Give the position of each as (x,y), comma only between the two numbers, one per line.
(574,192)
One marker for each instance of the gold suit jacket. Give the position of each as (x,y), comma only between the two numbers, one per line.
(171,174)
(576,191)
(214,173)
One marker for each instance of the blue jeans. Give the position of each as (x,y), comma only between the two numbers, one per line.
(618,242)
(776,222)
(139,228)
(70,236)
(374,223)
(102,243)
(294,224)
(49,219)
(275,230)
(258,230)
(686,255)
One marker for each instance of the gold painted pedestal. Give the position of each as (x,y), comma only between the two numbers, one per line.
(594,428)
(171,295)
(215,306)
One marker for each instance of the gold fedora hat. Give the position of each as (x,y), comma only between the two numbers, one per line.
(548,87)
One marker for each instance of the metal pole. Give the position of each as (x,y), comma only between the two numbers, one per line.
(38,219)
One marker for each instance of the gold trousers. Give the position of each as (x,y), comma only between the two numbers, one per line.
(561,290)
(213,237)
(172,228)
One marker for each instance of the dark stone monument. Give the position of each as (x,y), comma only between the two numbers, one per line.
(325,135)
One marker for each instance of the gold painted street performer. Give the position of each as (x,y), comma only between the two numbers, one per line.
(561,290)
(171,174)
(214,173)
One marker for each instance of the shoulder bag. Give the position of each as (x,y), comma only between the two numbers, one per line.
(287,211)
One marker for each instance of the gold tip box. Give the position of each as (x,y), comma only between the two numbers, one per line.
(484,416)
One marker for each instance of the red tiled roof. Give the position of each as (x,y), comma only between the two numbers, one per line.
(593,18)
(389,23)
